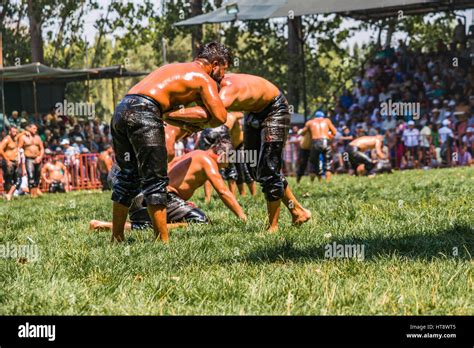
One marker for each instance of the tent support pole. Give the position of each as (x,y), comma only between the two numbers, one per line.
(4,116)
(35,99)
(114,100)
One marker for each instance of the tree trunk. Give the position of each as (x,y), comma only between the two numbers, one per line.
(294,61)
(196,38)
(36,38)
(390,31)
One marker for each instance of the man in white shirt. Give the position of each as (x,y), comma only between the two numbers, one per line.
(446,137)
(410,137)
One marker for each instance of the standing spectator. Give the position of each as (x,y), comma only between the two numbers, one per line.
(446,139)
(290,153)
(425,144)
(14,119)
(410,139)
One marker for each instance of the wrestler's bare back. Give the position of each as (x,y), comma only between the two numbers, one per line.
(365,143)
(243,92)
(320,128)
(174,85)
(187,173)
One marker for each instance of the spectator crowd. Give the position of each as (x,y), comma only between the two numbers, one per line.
(437,131)
(438,83)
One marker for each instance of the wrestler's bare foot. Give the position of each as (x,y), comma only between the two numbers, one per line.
(272,229)
(301,216)
(8,197)
(94,224)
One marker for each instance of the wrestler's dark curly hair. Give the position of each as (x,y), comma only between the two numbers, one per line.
(214,51)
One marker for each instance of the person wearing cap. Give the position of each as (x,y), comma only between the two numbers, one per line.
(69,151)
(322,132)
(410,138)
(446,139)
(79,145)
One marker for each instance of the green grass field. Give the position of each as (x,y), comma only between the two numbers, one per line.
(416,228)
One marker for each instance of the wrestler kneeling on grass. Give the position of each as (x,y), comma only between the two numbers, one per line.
(186,174)
(266,127)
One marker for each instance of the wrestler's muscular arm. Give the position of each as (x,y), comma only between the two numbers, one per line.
(40,144)
(378,149)
(3,145)
(214,112)
(213,175)
(305,129)
(227,95)
(331,128)
(45,173)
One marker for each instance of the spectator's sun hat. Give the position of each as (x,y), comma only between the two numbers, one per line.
(446,122)
(58,150)
(78,139)
(452,103)
(411,123)
(64,142)
(436,101)
(48,152)
(435,110)
(85,150)
(470,130)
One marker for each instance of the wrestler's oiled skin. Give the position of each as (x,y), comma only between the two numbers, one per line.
(106,160)
(319,128)
(305,141)
(176,85)
(189,172)
(239,92)
(235,129)
(32,144)
(55,171)
(250,93)
(366,143)
(172,135)
(9,147)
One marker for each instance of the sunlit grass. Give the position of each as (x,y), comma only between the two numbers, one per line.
(416,227)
